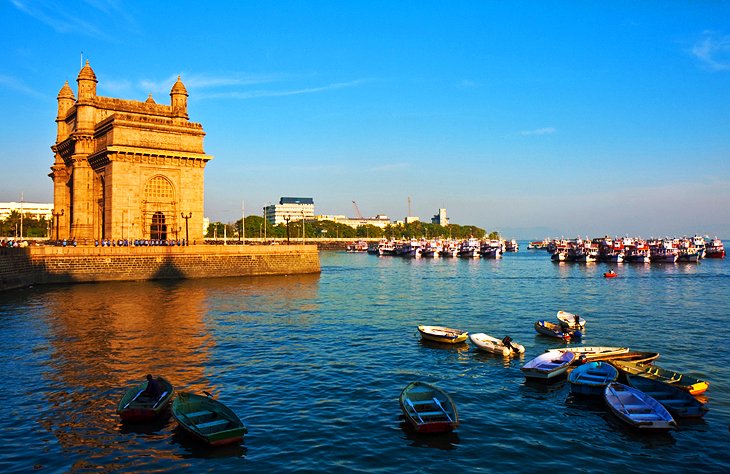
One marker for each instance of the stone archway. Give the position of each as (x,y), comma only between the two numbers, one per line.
(159,207)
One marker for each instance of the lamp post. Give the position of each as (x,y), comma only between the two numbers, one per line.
(287,218)
(56,215)
(190,214)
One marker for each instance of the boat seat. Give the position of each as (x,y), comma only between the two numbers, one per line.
(208,426)
(431,413)
(198,414)
(422,402)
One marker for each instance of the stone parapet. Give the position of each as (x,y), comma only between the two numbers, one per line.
(20,267)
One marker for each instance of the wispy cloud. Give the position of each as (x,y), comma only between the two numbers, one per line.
(17,85)
(713,51)
(55,15)
(539,131)
(254,94)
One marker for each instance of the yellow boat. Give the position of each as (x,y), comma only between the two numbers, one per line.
(685,382)
(442,334)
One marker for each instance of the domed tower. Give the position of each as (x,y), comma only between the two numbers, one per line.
(179,100)
(87,82)
(66,100)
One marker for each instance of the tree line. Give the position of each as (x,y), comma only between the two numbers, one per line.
(258,227)
(31,227)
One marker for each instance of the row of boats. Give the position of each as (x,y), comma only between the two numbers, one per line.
(434,248)
(638,392)
(201,416)
(633,250)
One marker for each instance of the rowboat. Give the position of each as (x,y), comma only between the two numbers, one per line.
(685,382)
(610,274)
(553,330)
(428,408)
(137,405)
(570,320)
(639,357)
(678,402)
(591,378)
(442,334)
(207,419)
(496,346)
(548,365)
(637,408)
(588,354)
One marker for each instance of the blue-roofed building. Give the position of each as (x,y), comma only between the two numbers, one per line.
(289,208)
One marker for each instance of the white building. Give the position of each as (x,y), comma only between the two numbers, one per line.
(355,222)
(32,209)
(291,209)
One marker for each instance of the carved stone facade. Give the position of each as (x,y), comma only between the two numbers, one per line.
(126,169)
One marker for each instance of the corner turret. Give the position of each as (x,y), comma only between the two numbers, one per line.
(179,99)
(87,82)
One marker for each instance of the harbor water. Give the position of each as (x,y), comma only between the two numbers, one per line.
(314,365)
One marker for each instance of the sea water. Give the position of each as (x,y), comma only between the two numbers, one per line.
(314,364)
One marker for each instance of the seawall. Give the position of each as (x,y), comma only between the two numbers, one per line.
(34,265)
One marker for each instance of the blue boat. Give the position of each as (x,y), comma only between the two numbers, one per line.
(591,378)
(677,401)
(553,330)
(637,409)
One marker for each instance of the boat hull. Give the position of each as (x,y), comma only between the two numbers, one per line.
(637,409)
(495,346)
(136,407)
(678,402)
(690,384)
(428,409)
(207,420)
(591,378)
(548,366)
(442,334)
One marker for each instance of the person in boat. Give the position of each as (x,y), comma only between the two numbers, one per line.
(507,342)
(154,389)
(576,320)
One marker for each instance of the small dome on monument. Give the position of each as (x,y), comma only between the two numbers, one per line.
(66,92)
(150,100)
(87,73)
(178,87)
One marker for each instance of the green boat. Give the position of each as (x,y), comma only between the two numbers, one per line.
(207,419)
(136,405)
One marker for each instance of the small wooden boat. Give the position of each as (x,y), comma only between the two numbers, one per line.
(428,408)
(678,402)
(137,405)
(591,378)
(496,346)
(589,354)
(207,419)
(633,356)
(570,320)
(442,334)
(610,274)
(637,408)
(548,365)
(553,330)
(685,382)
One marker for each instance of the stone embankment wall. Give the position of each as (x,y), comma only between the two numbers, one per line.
(20,267)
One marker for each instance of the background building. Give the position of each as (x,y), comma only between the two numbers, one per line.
(440,218)
(127,169)
(34,209)
(355,222)
(289,208)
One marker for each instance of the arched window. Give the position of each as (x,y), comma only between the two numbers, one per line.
(159,206)
(158,230)
(159,190)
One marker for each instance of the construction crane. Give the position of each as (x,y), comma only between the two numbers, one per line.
(357,213)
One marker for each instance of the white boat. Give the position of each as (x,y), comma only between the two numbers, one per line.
(593,353)
(496,346)
(570,320)
(636,408)
(469,248)
(548,365)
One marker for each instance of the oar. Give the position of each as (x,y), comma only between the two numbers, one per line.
(410,403)
(159,399)
(133,399)
(438,403)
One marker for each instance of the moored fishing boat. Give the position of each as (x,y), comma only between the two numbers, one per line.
(678,402)
(505,347)
(208,420)
(591,378)
(548,365)
(469,248)
(570,320)
(428,408)
(442,334)
(691,384)
(357,246)
(137,404)
(554,330)
(715,249)
(637,409)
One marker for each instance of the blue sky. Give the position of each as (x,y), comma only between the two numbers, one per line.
(531,118)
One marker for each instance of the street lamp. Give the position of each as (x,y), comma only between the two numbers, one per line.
(287,218)
(56,216)
(190,214)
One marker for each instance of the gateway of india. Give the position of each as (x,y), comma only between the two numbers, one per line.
(126,169)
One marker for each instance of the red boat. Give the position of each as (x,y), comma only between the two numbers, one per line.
(715,249)
(610,274)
